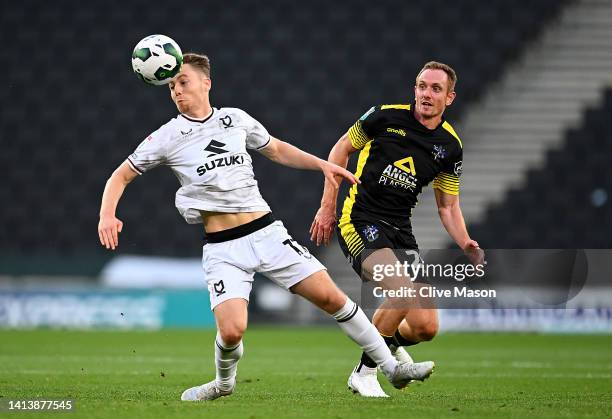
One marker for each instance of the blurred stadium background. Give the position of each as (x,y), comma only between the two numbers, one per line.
(533,109)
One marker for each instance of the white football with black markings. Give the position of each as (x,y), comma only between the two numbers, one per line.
(157,59)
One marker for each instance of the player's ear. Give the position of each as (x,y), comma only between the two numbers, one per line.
(450,97)
(207,83)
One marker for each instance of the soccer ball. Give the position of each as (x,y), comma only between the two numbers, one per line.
(157,59)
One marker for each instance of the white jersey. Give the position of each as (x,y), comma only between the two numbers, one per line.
(210,159)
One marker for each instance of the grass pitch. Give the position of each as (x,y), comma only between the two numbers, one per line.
(302,372)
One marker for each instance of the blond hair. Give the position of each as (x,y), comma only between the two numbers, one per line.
(450,73)
(199,61)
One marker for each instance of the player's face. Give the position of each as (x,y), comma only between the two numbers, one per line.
(189,89)
(432,93)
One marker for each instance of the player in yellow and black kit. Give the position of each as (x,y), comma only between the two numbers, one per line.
(399,156)
(402,148)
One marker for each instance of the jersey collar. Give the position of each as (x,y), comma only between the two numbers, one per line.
(201,121)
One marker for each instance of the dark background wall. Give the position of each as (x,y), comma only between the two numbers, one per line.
(71,109)
(564,204)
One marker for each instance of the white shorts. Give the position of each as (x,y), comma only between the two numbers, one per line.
(229,265)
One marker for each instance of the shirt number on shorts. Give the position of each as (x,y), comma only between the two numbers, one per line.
(300,250)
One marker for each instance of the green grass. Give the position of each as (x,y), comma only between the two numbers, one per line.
(302,372)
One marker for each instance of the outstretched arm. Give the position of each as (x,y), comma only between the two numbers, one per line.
(452,219)
(110,226)
(291,156)
(322,227)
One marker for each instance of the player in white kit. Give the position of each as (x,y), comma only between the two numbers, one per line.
(206,148)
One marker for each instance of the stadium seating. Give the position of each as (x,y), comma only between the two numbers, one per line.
(72,110)
(566,203)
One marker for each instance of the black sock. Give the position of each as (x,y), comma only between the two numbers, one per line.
(367,361)
(390,340)
(402,341)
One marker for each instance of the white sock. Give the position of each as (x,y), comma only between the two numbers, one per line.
(355,324)
(226,361)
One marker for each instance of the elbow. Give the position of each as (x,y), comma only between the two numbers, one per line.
(444,212)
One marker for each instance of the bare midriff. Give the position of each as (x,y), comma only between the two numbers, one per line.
(219,221)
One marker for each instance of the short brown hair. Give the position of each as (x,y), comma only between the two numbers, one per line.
(450,73)
(199,61)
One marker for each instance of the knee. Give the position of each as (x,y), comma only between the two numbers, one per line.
(232,334)
(331,301)
(426,331)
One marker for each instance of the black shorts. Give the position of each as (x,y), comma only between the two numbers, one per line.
(359,237)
